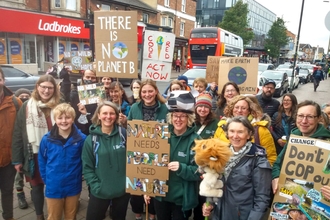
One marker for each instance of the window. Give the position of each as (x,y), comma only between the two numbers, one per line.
(105,7)
(183,6)
(182,29)
(167,3)
(57,3)
(145,18)
(164,21)
(71,5)
(170,22)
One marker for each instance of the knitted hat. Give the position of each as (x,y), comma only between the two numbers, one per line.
(204,99)
(182,77)
(21,91)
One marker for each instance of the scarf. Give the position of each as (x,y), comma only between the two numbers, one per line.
(237,156)
(36,124)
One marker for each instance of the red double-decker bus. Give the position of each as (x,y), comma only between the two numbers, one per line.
(211,41)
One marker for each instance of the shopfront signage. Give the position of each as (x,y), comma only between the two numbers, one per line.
(36,23)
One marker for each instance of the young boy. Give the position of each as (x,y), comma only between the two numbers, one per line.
(60,164)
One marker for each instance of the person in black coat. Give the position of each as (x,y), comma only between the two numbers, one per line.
(65,84)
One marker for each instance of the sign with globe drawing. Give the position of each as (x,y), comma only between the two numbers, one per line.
(158,51)
(116,44)
(241,70)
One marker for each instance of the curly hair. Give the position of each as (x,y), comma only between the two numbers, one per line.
(254,108)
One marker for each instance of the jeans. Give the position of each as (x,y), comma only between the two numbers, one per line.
(97,207)
(56,207)
(7,177)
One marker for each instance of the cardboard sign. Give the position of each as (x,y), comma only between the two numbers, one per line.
(147,154)
(305,169)
(157,55)
(78,60)
(116,44)
(91,93)
(241,70)
(212,69)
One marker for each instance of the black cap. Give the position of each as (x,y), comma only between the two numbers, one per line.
(270,81)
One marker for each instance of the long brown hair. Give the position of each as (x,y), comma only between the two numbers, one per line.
(47,78)
(152,83)
(222,101)
(293,109)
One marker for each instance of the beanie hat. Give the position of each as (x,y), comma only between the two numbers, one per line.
(204,99)
(182,77)
(21,91)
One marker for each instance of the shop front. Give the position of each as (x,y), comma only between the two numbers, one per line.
(33,41)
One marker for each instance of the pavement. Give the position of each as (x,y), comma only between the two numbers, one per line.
(305,91)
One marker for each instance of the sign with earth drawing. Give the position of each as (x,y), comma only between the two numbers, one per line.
(157,55)
(78,60)
(116,44)
(241,70)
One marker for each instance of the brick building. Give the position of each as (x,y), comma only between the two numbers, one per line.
(30,41)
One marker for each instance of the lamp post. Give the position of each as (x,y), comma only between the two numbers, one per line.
(297,45)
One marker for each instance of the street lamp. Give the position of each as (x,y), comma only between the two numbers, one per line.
(297,45)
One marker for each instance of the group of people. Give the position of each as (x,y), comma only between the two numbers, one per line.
(56,141)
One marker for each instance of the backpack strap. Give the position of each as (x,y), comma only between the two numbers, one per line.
(122,133)
(256,135)
(15,103)
(95,144)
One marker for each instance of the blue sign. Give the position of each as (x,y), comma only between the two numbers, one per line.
(15,48)
(2,49)
(74,47)
(61,48)
(86,47)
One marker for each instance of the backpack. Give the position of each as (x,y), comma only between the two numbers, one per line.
(96,144)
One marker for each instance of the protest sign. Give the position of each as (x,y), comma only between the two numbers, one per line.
(78,60)
(157,55)
(305,169)
(241,70)
(147,154)
(116,44)
(91,93)
(212,69)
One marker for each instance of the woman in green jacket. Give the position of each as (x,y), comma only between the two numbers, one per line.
(104,167)
(182,195)
(150,108)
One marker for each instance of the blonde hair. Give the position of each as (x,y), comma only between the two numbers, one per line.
(95,119)
(200,80)
(191,118)
(65,109)
(254,109)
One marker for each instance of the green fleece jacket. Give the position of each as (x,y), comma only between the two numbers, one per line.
(209,130)
(183,183)
(320,133)
(105,171)
(137,113)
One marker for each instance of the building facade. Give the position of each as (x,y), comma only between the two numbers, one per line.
(36,33)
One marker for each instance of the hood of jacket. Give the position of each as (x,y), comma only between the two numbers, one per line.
(320,133)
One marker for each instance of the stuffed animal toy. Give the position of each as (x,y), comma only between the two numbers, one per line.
(211,155)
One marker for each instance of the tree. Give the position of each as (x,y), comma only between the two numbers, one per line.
(276,38)
(235,20)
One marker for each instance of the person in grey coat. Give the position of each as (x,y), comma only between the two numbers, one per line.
(247,177)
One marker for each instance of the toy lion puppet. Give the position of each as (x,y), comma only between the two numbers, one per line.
(211,156)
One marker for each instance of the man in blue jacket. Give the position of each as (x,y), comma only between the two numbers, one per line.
(317,77)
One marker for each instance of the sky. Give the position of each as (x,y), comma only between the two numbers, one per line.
(313,30)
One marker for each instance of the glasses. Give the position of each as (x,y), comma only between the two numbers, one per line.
(46,87)
(308,117)
(287,100)
(230,91)
(269,88)
(180,117)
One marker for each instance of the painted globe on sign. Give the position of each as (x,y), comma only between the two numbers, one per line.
(120,50)
(238,75)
